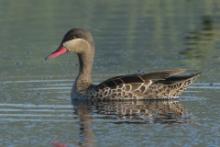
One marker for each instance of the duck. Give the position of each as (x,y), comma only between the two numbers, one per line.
(164,84)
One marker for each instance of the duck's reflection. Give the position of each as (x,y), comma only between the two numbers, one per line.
(118,112)
(142,111)
(85,120)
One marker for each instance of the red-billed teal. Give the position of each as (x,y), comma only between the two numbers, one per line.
(155,85)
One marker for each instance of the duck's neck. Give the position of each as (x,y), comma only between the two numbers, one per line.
(84,79)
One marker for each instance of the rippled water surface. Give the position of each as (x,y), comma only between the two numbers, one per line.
(131,36)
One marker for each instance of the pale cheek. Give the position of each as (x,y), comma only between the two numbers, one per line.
(76,45)
(67,45)
(71,48)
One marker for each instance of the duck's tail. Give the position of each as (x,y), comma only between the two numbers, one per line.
(175,85)
(183,78)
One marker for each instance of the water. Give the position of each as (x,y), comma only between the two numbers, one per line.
(131,36)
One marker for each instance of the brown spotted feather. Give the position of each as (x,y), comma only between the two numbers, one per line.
(157,85)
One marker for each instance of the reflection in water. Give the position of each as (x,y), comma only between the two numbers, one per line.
(135,112)
(199,43)
(58,144)
(86,133)
(150,111)
(207,24)
(195,39)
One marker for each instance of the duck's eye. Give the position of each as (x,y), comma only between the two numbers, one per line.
(77,36)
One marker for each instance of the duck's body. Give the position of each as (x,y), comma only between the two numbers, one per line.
(155,85)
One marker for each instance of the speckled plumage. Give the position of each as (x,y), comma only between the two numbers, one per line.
(137,87)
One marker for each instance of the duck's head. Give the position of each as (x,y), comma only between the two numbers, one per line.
(75,40)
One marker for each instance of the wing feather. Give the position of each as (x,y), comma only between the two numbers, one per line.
(140,78)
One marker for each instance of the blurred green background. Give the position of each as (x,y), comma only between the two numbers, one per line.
(130,36)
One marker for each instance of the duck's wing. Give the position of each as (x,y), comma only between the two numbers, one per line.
(148,78)
(164,74)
